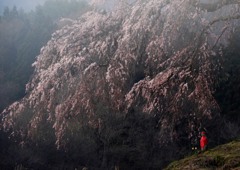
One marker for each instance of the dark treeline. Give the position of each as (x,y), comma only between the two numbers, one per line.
(21,37)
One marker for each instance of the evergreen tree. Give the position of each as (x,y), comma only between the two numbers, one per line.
(14,12)
(6,12)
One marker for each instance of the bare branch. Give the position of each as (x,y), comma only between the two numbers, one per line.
(199,38)
(223,31)
(210,7)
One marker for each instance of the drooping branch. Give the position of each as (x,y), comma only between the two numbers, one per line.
(210,7)
(200,37)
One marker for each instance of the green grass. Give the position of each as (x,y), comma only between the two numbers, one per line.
(222,157)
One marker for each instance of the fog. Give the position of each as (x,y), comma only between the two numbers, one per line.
(26,5)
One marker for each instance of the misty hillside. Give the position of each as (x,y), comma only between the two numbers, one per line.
(26,5)
(131,88)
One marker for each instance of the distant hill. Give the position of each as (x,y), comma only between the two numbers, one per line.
(225,156)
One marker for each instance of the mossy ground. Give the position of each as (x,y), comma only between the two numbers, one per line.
(223,157)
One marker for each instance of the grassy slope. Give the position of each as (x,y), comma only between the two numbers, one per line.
(223,157)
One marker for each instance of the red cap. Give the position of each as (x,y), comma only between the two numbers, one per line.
(203,133)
